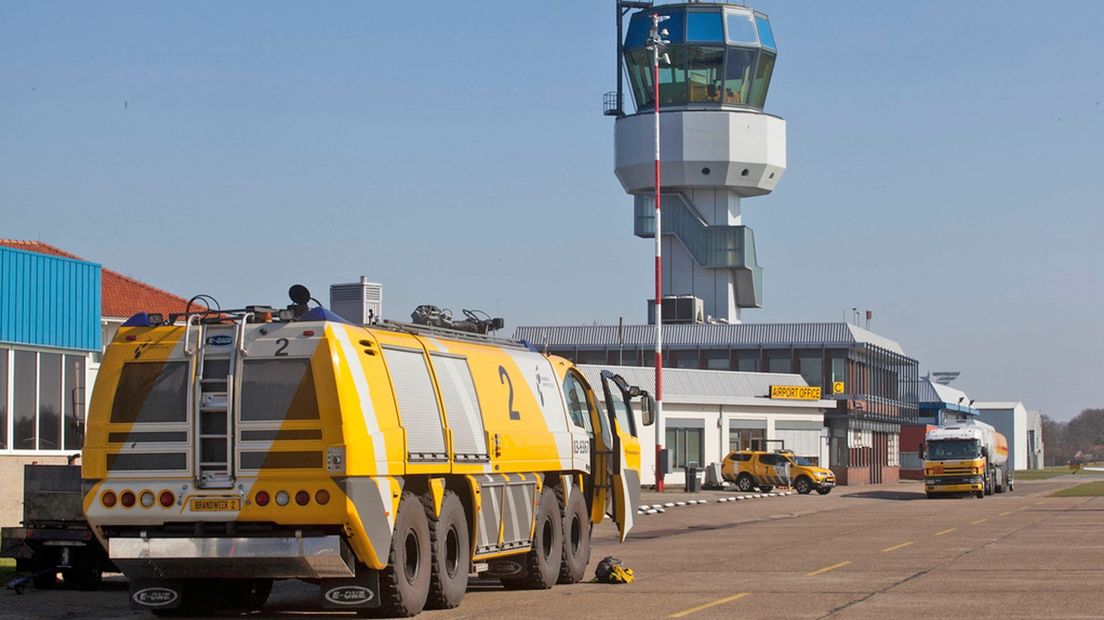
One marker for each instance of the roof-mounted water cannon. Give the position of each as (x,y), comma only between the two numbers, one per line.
(299,295)
(472,322)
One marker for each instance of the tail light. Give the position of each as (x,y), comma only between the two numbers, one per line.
(166,498)
(108,499)
(282,498)
(127,499)
(146,498)
(302,498)
(261,498)
(322,497)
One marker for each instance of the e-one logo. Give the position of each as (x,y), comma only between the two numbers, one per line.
(507,567)
(220,341)
(349,595)
(155,597)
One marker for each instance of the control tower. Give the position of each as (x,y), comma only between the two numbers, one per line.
(718,146)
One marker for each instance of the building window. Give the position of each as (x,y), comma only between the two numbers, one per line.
(811,366)
(747,361)
(3,399)
(779,361)
(685,443)
(717,359)
(747,434)
(684,359)
(41,400)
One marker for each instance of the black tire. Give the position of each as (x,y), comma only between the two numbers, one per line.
(803,485)
(404,584)
(576,537)
(247,594)
(41,563)
(824,491)
(451,552)
(543,560)
(745,483)
(85,573)
(766,488)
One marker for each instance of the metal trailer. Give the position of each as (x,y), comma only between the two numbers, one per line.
(54,537)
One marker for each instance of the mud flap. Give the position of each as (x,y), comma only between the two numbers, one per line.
(359,592)
(156,594)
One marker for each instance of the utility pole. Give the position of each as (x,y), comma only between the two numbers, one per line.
(658,46)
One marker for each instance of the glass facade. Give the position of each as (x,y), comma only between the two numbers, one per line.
(42,400)
(718,55)
(685,443)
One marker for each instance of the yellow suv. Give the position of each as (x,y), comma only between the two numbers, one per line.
(766,470)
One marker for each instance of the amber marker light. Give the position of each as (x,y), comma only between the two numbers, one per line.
(322,497)
(108,499)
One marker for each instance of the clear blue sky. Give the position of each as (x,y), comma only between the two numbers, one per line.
(944,165)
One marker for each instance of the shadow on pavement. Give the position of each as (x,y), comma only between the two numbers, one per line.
(898,496)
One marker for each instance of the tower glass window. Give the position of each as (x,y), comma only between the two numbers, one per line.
(717,56)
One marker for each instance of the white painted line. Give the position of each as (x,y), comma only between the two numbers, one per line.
(669,505)
(680,503)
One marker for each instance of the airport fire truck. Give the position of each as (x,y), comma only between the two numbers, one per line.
(229,448)
(966,458)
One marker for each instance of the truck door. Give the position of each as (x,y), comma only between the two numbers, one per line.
(625,453)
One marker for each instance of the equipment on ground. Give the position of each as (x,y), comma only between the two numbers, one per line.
(54,537)
(612,570)
(384,462)
(966,458)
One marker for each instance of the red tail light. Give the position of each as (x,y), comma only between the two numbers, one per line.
(166,498)
(261,498)
(108,499)
(302,498)
(322,497)
(127,499)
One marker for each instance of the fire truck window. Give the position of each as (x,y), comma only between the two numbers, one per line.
(276,390)
(151,392)
(576,399)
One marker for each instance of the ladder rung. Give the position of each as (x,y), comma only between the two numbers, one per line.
(210,409)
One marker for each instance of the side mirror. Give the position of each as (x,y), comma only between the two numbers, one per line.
(647,409)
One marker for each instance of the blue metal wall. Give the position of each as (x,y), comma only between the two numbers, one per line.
(49,300)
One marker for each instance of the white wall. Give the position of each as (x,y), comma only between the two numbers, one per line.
(1011,420)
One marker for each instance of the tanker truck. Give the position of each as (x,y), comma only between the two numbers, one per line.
(387,463)
(965,458)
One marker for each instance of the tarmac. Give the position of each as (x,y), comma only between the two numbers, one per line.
(860,552)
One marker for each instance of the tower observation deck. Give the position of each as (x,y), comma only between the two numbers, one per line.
(718,146)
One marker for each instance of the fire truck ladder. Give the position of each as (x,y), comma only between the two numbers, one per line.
(217,351)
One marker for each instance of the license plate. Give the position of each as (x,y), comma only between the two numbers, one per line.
(216,505)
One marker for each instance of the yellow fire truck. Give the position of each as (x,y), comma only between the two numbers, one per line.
(387,463)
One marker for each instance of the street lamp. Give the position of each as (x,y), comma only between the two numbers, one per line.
(658,46)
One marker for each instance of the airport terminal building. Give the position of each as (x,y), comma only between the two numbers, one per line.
(868,378)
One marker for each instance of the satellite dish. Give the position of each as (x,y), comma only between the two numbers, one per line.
(299,294)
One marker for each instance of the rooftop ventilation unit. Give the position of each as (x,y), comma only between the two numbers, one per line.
(357,302)
(685,309)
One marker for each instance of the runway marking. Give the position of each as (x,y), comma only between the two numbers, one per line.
(1004,514)
(947,531)
(979,521)
(827,568)
(722,601)
(895,547)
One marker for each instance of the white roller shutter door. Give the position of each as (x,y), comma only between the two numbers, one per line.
(417,402)
(469,443)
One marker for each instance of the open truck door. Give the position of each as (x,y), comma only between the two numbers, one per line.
(624,453)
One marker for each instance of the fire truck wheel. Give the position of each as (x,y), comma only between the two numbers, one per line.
(248,594)
(744,483)
(802,485)
(41,563)
(448,536)
(576,537)
(543,560)
(404,584)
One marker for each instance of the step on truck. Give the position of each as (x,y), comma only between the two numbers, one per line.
(387,463)
(965,458)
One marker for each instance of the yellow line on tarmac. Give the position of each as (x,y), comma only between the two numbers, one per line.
(827,568)
(894,547)
(946,531)
(979,521)
(727,599)
(1003,514)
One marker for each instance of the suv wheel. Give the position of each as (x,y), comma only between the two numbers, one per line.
(744,483)
(803,486)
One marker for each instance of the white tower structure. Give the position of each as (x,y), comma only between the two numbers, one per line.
(718,147)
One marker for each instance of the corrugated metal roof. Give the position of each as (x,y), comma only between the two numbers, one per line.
(49,300)
(680,384)
(841,334)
